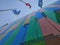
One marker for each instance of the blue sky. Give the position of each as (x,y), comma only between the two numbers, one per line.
(8,16)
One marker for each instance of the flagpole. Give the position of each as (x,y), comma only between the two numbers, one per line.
(23,1)
(6,10)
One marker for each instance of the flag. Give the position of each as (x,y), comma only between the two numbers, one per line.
(27,4)
(16,12)
(40,3)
